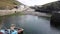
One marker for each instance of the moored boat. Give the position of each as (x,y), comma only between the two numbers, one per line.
(19,30)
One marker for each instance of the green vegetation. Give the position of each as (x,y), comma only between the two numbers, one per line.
(54,6)
(8,3)
(14,14)
(49,7)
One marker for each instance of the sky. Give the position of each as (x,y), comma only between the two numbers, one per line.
(35,2)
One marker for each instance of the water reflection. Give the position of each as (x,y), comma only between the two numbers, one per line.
(31,24)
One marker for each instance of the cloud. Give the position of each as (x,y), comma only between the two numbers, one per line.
(35,2)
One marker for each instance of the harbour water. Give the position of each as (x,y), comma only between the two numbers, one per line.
(31,24)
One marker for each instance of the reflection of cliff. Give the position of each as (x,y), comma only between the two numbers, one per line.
(1,21)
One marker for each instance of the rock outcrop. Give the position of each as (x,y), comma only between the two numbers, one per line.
(55,20)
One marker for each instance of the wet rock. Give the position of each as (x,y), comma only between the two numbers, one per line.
(55,20)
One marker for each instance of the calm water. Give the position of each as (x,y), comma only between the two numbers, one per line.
(31,24)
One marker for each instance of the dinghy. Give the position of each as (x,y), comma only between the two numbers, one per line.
(6,31)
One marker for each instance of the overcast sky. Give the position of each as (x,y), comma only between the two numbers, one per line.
(35,2)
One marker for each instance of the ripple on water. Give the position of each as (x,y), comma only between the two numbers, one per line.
(31,24)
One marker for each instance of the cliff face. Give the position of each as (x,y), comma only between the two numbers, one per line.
(49,7)
(52,6)
(4,4)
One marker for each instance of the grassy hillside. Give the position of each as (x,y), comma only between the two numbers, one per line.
(49,7)
(8,3)
(54,6)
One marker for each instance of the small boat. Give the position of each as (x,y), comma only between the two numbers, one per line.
(19,30)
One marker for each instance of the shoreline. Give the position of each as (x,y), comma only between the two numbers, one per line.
(17,12)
